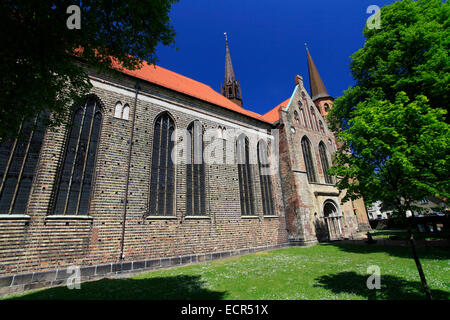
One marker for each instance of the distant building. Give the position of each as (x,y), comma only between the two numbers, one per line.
(374,212)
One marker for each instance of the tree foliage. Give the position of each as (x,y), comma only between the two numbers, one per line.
(400,151)
(409,53)
(38,69)
(391,126)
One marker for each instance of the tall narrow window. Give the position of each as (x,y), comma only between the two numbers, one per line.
(265,179)
(245,176)
(321,127)
(313,119)
(77,169)
(162,181)
(324,162)
(18,162)
(305,120)
(195,172)
(309,164)
(296,117)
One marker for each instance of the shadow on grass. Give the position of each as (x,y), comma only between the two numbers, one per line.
(392,287)
(180,287)
(403,234)
(431,253)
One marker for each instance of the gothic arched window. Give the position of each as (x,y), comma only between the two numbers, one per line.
(305,120)
(18,162)
(265,179)
(324,162)
(296,117)
(309,164)
(195,171)
(313,119)
(162,182)
(77,169)
(321,127)
(121,112)
(245,176)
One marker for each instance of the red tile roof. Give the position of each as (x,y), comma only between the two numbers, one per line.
(274,114)
(182,84)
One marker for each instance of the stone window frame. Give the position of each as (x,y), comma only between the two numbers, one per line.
(149,214)
(202,194)
(121,111)
(324,161)
(61,162)
(245,175)
(12,153)
(308,159)
(266,184)
(313,118)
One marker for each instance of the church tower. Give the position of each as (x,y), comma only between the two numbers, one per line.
(231,88)
(324,102)
(319,93)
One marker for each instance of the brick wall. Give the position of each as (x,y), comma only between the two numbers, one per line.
(45,242)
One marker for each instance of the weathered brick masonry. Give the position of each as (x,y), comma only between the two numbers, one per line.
(35,248)
(42,241)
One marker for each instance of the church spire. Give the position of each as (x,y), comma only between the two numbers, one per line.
(318,89)
(231,88)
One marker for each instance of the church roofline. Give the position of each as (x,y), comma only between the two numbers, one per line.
(171,80)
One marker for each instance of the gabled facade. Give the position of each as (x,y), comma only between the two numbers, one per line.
(313,207)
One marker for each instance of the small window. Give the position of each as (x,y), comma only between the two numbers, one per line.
(121,112)
(321,127)
(296,118)
(313,118)
(126,112)
(118,110)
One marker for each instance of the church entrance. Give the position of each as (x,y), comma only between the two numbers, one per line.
(333,220)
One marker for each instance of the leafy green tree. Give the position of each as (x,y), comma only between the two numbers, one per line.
(38,69)
(409,53)
(391,125)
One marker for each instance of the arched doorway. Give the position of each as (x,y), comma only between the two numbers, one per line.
(333,220)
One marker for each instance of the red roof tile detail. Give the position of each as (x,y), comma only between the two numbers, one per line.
(182,84)
(274,114)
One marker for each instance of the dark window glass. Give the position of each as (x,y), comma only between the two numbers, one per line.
(265,179)
(18,163)
(245,176)
(195,172)
(162,179)
(324,161)
(77,169)
(309,164)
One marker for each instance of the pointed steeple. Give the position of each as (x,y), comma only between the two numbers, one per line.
(231,88)
(318,89)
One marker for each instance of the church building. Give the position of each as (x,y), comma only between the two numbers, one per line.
(159,170)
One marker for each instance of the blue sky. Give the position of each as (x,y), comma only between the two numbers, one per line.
(266,39)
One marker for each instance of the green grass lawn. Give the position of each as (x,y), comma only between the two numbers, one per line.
(326,271)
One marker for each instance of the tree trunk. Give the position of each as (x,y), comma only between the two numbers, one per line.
(416,259)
